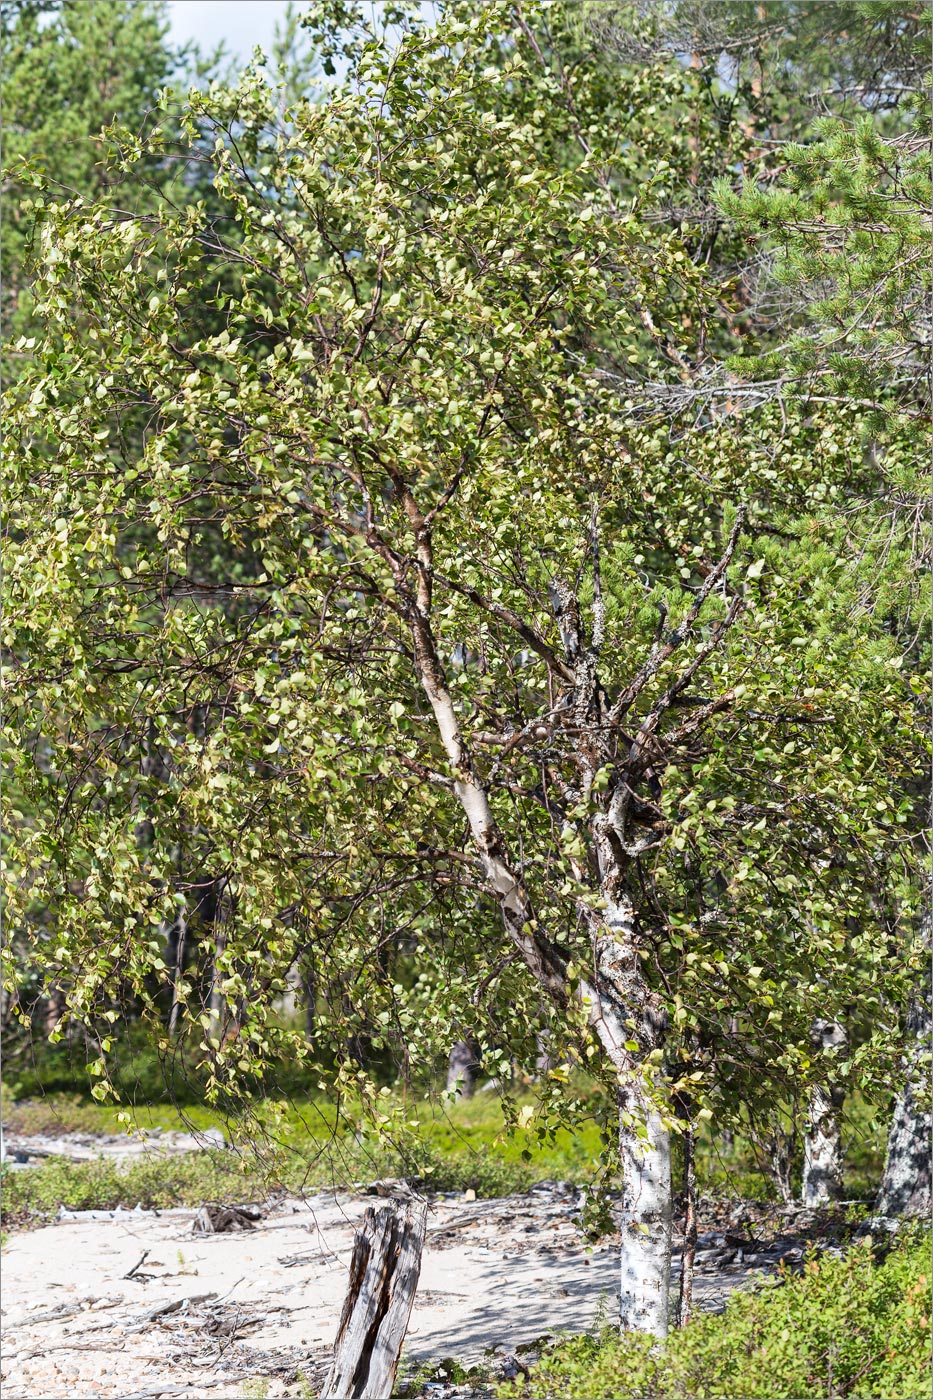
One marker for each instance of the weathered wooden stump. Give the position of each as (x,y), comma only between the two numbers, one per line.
(384,1272)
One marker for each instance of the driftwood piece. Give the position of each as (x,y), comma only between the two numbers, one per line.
(132,1273)
(384,1272)
(216,1220)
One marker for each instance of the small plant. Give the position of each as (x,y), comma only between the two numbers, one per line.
(255,1389)
(412,1383)
(601,1315)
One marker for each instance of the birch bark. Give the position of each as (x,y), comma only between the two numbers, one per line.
(822,1142)
(905,1185)
(462,1067)
(645,1225)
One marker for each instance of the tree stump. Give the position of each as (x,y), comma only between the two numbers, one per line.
(384,1272)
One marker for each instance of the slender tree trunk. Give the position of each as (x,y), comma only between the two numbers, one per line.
(629,1025)
(544,1060)
(620,1007)
(775,1150)
(646,1217)
(216,1004)
(8,1000)
(178,970)
(688,1260)
(822,1149)
(781,1166)
(309,991)
(822,1142)
(462,1068)
(222,911)
(905,1185)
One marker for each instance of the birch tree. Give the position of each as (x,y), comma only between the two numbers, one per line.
(495,630)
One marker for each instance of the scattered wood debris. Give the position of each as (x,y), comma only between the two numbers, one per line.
(217,1220)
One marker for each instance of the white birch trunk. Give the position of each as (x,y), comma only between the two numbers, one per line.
(462,1067)
(619,1004)
(644,1141)
(822,1140)
(223,910)
(906,1185)
(822,1151)
(645,1224)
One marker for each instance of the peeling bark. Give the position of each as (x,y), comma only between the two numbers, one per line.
(822,1149)
(646,1214)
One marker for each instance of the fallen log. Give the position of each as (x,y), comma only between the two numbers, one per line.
(384,1272)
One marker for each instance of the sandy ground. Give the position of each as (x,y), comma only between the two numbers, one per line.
(29,1150)
(256,1312)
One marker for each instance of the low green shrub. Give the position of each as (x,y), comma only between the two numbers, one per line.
(34,1195)
(103,1184)
(847,1326)
(488,1176)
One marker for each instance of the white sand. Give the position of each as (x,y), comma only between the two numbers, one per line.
(496,1276)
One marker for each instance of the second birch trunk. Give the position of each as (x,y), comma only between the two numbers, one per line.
(822,1142)
(906,1184)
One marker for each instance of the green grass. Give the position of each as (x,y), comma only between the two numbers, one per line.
(846,1326)
(293,1145)
(75,1113)
(452,1146)
(455,1149)
(474,1126)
